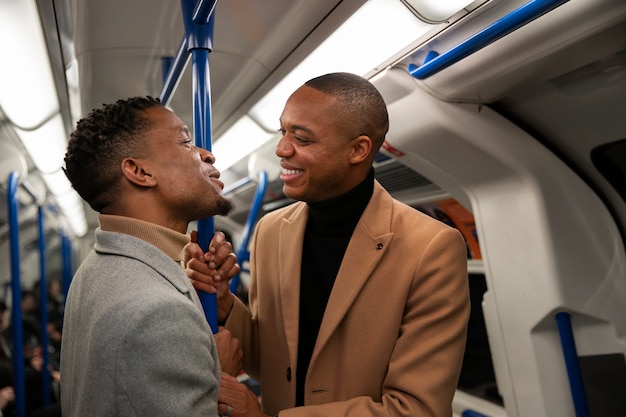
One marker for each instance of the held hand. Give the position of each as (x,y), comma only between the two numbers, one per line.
(220,256)
(238,399)
(229,351)
(207,270)
(192,250)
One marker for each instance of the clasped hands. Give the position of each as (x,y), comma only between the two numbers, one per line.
(210,272)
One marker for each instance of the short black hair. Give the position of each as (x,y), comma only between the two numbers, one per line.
(100,142)
(358,100)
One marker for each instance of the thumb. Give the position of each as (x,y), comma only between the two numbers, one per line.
(192,249)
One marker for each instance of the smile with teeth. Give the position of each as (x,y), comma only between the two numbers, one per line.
(291,171)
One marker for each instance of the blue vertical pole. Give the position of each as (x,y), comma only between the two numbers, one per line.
(200,43)
(43,309)
(574,373)
(167,62)
(16,300)
(243,254)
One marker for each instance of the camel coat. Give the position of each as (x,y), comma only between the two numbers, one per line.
(392,338)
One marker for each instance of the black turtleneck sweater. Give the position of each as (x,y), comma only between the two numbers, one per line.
(328,231)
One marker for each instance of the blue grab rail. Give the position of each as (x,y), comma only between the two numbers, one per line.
(574,374)
(236,185)
(19,384)
(195,15)
(175,71)
(502,27)
(243,254)
(472,413)
(199,18)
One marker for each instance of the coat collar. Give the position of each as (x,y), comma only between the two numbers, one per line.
(367,246)
(128,246)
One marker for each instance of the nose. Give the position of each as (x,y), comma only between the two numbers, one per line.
(284,147)
(207,156)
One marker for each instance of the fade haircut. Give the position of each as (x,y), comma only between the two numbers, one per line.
(357,101)
(100,142)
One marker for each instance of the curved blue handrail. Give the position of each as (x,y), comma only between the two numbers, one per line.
(243,254)
(502,27)
(472,413)
(237,185)
(571,363)
(16,300)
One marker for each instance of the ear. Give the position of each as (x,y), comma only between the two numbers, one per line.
(138,172)
(361,148)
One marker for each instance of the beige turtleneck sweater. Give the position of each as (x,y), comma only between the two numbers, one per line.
(168,240)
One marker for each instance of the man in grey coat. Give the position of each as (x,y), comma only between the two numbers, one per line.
(135,339)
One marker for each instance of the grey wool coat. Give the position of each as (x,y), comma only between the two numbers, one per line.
(135,340)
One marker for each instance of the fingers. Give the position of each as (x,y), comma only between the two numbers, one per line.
(219,249)
(218,239)
(228,269)
(229,351)
(192,249)
(198,268)
(207,270)
(201,276)
(242,401)
(203,286)
(221,257)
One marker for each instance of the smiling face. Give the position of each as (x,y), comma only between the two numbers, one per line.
(322,156)
(187,185)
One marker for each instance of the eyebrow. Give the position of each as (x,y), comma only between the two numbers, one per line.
(295,128)
(185,131)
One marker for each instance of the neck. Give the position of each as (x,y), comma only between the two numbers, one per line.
(344,211)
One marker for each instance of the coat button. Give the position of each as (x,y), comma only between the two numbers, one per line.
(289,374)
(379,246)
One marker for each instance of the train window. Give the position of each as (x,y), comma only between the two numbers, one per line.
(610,160)
(452,213)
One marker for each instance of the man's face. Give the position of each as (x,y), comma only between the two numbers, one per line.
(315,148)
(188,184)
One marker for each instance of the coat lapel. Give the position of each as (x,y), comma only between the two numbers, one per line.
(367,246)
(290,238)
